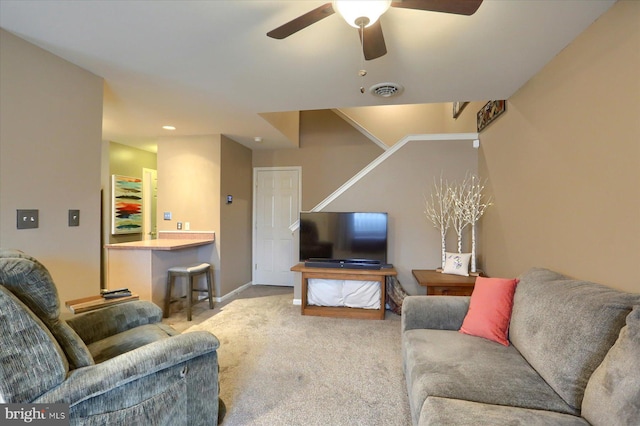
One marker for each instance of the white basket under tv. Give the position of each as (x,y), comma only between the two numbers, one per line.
(343,293)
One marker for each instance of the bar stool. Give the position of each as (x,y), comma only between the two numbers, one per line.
(190,272)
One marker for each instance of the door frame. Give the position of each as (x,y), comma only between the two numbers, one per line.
(254,223)
(148,213)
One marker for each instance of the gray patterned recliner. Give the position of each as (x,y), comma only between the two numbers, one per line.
(114,366)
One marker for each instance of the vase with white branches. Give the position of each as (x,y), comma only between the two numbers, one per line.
(469,206)
(438,210)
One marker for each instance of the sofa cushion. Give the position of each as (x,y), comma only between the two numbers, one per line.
(159,401)
(443,411)
(490,309)
(450,364)
(565,327)
(30,282)
(100,323)
(31,361)
(612,395)
(129,340)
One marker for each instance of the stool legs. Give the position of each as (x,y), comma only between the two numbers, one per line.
(190,296)
(210,287)
(167,296)
(191,288)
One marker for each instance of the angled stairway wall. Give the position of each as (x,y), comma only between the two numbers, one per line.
(397,183)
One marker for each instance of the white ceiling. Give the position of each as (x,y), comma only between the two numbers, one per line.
(208,67)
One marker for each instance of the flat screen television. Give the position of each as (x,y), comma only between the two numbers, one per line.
(343,237)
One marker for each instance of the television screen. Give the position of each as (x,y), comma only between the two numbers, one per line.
(343,236)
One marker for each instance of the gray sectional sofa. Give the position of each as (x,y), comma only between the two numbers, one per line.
(574,358)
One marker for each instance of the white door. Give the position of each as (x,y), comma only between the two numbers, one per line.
(149,203)
(276,208)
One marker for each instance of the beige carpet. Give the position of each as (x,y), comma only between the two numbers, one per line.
(278,367)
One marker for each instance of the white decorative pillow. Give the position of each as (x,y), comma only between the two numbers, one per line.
(457,263)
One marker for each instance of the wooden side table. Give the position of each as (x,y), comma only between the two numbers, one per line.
(86,304)
(439,284)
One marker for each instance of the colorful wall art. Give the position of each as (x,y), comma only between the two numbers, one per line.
(126,199)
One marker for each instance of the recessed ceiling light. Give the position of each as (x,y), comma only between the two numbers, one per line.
(169,127)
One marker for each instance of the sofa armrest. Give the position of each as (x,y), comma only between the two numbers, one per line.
(102,323)
(434,312)
(88,382)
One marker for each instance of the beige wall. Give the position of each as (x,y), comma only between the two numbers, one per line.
(50,143)
(189,182)
(287,123)
(331,151)
(235,218)
(195,174)
(564,162)
(391,123)
(398,186)
(189,188)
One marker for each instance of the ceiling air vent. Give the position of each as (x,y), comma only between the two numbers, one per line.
(386,90)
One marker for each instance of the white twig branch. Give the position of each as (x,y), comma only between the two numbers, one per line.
(438,211)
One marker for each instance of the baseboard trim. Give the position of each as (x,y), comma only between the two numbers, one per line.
(297,302)
(234,292)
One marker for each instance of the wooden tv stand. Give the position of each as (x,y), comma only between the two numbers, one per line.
(343,274)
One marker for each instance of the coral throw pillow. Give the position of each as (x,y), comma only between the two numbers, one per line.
(490,309)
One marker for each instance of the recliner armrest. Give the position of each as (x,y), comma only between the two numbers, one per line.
(102,323)
(88,382)
(434,312)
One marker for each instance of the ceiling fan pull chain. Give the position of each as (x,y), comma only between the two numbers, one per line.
(362,71)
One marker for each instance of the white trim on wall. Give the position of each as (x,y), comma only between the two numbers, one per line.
(472,137)
(234,292)
(361,129)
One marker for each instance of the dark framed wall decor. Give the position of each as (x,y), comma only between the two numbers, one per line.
(458,107)
(489,112)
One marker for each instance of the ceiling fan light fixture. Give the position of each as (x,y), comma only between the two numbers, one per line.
(361,12)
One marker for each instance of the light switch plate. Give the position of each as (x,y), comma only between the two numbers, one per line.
(74,217)
(27,219)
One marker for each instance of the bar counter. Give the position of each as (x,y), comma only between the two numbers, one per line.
(141,266)
(160,244)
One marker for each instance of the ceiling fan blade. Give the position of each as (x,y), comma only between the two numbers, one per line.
(459,7)
(372,40)
(302,21)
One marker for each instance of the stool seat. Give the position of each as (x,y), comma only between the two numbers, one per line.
(190,272)
(193,269)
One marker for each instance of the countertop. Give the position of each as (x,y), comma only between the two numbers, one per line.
(163,243)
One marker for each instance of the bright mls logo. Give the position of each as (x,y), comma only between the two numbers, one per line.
(36,414)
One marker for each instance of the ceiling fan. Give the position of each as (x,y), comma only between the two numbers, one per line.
(364,16)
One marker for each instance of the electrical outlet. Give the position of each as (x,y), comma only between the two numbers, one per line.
(167,215)
(179,225)
(74,217)
(27,219)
